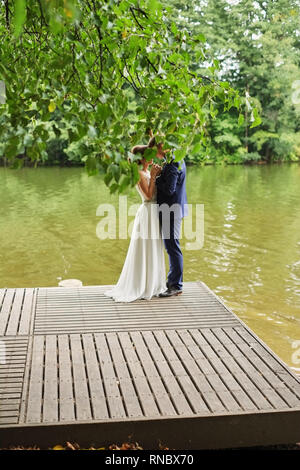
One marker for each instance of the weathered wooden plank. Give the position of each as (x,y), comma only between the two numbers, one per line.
(64,316)
(9,378)
(35,394)
(246,336)
(10,406)
(192,299)
(8,420)
(15,349)
(10,394)
(8,413)
(236,364)
(82,399)
(50,407)
(207,392)
(9,367)
(2,294)
(274,384)
(141,383)
(167,368)
(66,399)
(98,399)
(86,322)
(156,383)
(225,371)
(80,307)
(219,378)
(13,322)
(16,361)
(283,374)
(246,365)
(26,312)
(5,310)
(111,382)
(85,303)
(183,390)
(114,327)
(128,392)
(219,364)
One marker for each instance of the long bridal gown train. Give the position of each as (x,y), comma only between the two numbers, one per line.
(143,273)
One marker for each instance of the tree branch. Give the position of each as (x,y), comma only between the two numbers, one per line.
(7,14)
(43,19)
(152,65)
(100,45)
(135,85)
(135,18)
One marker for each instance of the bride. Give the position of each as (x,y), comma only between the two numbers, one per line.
(143,273)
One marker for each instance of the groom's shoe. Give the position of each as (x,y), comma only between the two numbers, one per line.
(171,291)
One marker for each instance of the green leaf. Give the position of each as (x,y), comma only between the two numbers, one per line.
(107,178)
(19,16)
(28,140)
(92,132)
(51,106)
(179,154)
(150,153)
(154,6)
(90,166)
(134,173)
(197,148)
(116,172)
(174,28)
(125,183)
(257,119)
(200,37)
(241,119)
(113,188)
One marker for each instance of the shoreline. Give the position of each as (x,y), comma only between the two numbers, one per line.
(33,165)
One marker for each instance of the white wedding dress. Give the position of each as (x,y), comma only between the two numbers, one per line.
(143,274)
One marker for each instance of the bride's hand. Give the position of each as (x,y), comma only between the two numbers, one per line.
(158,169)
(155,170)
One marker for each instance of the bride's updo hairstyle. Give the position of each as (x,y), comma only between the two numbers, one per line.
(142,148)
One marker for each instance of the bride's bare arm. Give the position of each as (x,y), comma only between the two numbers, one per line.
(146,186)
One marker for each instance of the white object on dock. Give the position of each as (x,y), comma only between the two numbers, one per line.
(70,283)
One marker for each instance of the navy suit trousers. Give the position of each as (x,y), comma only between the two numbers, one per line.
(172,245)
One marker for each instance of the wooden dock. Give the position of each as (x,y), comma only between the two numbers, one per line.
(183,371)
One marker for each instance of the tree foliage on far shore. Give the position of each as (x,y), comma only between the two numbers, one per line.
(97,75)
(257,44)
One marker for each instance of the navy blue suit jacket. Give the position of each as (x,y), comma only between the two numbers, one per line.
(171,185)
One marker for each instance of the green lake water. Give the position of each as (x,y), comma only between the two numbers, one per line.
(250,256)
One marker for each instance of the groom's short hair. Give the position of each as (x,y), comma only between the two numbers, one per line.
(152,142)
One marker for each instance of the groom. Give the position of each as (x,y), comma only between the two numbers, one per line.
(172,200)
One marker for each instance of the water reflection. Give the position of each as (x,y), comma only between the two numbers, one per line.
(250,257)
